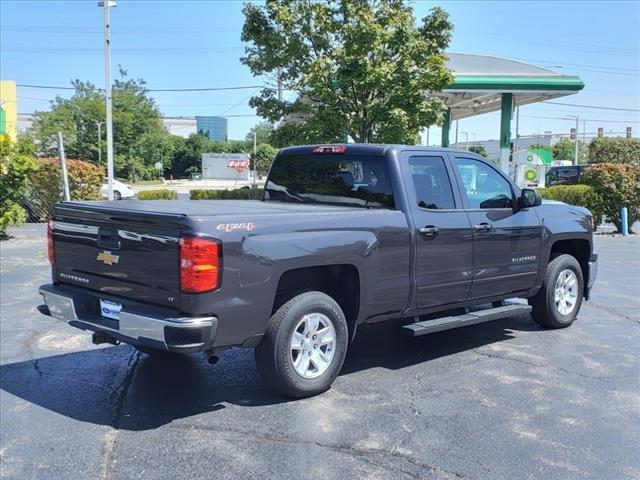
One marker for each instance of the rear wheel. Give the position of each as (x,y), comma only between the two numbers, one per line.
(558,302)
(117,195)
(305,345)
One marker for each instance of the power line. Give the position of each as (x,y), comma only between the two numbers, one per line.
(597,107)
(203,89)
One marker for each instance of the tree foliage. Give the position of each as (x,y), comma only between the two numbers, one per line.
(617,185)
(565,150)
(361,68)
(614,150)
(479,149)
(15,167)
(140,138)
(265,154)
(263,131)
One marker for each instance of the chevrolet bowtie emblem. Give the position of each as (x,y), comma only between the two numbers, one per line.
(106,258)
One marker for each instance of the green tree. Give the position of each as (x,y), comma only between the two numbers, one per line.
(614,150)
(361,68)
(140,138)
(479,149)
(263,131)
(15,168)
(565,150)
(265,154)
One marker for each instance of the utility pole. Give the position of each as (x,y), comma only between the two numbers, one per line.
(279,74)
(515,147)
(106,5)
(466,140)
(255,152)
(427,136)
(63,168)
(456,133)
(99,124)
(575,148)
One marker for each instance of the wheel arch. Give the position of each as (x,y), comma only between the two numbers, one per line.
(340,281)
(579,248)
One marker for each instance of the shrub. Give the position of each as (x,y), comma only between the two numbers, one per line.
(45,190)
(160,194)
(582,195)
(15,169)
(239,194)
(614,150)
(617,185)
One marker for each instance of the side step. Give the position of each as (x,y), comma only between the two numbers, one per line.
(472,318)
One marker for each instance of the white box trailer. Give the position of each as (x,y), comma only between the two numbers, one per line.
(225,166)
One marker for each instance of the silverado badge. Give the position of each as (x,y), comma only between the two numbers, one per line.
(106,258)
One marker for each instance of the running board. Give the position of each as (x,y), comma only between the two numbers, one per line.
(472,318)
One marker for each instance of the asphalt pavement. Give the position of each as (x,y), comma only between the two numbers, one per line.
(506,400)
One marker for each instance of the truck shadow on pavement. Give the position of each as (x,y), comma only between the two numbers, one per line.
(120,387)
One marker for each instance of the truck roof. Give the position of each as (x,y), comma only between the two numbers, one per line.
(368,148)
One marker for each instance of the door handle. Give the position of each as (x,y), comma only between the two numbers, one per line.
(429,230)
(483,227)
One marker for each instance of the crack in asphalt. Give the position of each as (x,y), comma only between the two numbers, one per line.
(359,452)
(562,369)
(119,395)
(612,312)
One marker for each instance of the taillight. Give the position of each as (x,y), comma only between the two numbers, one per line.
(199,264)
(51,252)
(329,149)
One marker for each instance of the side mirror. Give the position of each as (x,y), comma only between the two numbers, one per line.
(529,198)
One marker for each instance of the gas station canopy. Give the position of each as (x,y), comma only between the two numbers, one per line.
(485,84)
(480,81)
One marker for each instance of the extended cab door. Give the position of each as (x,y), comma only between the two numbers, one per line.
(506,241)
(443,233)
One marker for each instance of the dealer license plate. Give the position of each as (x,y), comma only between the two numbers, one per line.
(110,309)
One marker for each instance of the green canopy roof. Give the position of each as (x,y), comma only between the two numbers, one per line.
(480,81)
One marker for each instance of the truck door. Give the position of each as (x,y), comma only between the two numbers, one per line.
(443,233)
(506,241)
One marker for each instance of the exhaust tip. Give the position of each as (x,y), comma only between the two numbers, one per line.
(213,359)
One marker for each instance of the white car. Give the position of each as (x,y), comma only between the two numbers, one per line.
(120,190)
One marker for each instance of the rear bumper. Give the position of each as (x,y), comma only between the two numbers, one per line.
(158,329)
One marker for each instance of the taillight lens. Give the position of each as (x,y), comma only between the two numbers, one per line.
(199,264)
(51,252)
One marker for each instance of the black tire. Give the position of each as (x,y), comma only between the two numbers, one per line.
(156,352)
(545,310)
(117,195)
(273,354)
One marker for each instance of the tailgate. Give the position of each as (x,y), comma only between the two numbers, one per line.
(118,252)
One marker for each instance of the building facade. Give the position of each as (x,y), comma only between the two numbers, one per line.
(214,128)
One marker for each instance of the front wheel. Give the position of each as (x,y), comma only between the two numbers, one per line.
(305,345)
(558,302)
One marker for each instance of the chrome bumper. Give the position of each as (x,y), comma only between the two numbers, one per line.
(593,274)
(181,334)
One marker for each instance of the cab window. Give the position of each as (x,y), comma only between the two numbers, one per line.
(485,188)
(431,182)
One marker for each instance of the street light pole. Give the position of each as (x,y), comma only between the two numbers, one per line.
(106,5)
(99,124)
(575,148)
(466,140)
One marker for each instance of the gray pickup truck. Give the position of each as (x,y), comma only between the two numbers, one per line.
(343,235)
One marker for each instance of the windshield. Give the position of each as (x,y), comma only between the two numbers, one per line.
(351,180)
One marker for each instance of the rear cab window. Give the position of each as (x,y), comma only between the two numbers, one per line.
(333,179)
(431,183)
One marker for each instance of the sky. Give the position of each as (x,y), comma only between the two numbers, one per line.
(195,44)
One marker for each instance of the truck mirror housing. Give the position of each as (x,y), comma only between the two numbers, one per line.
(529,198)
